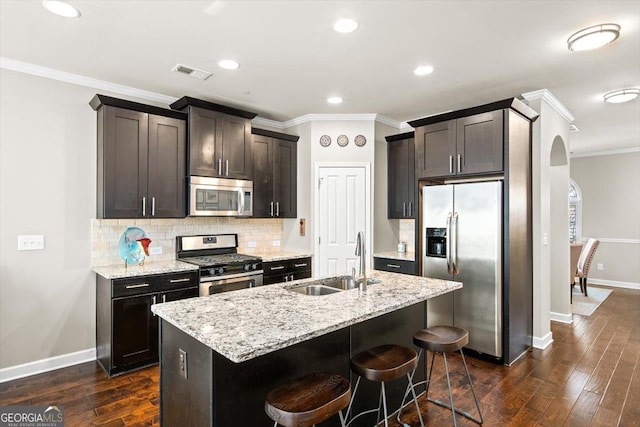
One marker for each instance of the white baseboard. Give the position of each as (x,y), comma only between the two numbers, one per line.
(45,365)
(561,317)
(543,342)
(614,283)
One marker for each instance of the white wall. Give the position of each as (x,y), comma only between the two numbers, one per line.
(610,188)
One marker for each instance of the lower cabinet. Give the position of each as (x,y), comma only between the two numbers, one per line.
(126,329)
(395,265)
(286,270)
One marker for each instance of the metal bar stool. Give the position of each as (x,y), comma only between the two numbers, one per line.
(381,364)
(308,400)
(443,339)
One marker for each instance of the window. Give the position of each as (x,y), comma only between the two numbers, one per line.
(575,211)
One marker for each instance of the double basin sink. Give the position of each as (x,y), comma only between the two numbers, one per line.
(330,285)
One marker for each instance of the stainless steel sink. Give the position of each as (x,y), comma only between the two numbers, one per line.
(343,283)
(315,290)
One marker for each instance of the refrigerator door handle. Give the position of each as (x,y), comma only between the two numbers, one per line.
(448,246)
(454,244)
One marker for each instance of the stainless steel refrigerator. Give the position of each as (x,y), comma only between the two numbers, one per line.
(462,241)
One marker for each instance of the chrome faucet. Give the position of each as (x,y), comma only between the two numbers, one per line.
(361,280)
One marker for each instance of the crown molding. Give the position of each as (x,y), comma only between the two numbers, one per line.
(605,152)
(552,101)
(63,76)
(274,124)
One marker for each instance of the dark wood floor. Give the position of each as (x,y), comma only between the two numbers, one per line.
(589,376)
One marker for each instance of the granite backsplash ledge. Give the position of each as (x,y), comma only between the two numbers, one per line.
(105,235)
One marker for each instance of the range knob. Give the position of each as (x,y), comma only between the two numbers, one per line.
(246,267)
(254,266)
(221,270)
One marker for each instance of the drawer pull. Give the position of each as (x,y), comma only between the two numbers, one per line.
(300,265)
(179,280)
(280,267)
(141,285)
(393,265)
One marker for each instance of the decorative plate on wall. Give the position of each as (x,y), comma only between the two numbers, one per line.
(342,140)
(360,140)
(325,140)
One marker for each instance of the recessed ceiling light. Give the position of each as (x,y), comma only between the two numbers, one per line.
(345,25)
(622,95)
(594,37)
(423,70)
(61,8)
(334,100)
(228,64)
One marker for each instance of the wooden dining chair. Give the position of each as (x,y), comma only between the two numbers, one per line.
(584,263)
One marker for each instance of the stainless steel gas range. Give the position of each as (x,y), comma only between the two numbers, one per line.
(222,268)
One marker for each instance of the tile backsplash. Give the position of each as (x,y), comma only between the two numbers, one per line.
(105,235)
(407,234)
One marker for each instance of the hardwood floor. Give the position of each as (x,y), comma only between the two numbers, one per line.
(589,376)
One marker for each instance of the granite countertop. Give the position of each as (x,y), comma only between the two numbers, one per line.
(155,267)
(248,323)
(281,255)
(402,256)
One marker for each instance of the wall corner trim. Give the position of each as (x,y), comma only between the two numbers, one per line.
(46,365)
(561,317)
(552,101)
(543,342)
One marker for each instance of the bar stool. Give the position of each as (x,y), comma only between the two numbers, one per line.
(444,339)
(381,364)
(308,400)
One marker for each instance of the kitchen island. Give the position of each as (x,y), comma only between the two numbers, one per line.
(221,354)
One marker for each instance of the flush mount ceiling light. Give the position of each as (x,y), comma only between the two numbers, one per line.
(423,70)
(61,8)
(345,25)
(594,37)
(622,95)
(228,64)
(334,100)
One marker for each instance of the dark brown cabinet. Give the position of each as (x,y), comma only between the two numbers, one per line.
(286,270)
(275,174)
(219,139)
(126,329)
(401,185)
(141,160)
(470,145)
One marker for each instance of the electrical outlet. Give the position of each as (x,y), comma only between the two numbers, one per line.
(252,244)
(155,250)
(600,266)
(545,239)
(182,362)
(276,243)
(31,243)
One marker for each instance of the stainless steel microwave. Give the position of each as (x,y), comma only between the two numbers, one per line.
(220,197)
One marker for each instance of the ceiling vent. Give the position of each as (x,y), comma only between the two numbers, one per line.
(191,71)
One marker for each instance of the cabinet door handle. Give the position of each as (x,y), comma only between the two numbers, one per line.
(144,206)
(280,267)
(164,298)
(277,208)
(271,209)
(226,167)
(179,280)
(153,206)
(459,163)
(153,301)
(141,285)
(404,209)
(300,265)
(450,164)
(393,265)
(410,209)
(291,277)
(220,166)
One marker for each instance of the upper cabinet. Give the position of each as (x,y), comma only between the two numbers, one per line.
(466,146)
(219,139)
(141,160)
(274,174)
(401,184)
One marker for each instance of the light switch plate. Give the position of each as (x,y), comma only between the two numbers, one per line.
(252,244)
(276,243)
(600,266)
(155,250)
(182,362)
(31,243)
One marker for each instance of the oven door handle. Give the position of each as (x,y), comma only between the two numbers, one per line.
(230,276)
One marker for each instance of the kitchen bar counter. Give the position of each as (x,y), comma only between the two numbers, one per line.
(248,323)
(151,267)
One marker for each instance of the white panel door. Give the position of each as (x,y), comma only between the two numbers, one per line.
(342,214)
